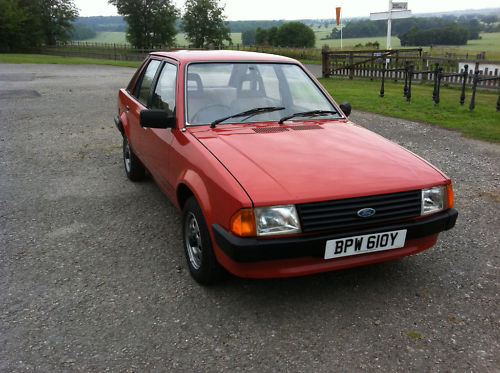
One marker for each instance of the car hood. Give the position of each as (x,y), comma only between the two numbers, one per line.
(315,161)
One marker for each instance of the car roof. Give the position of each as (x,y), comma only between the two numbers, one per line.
(185,56)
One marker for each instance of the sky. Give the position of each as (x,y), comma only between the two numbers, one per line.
(236,10)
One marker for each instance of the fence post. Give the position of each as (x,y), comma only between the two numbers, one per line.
(498,103)
(439,75)
(397,64)
(472,104)
(408,93)
(372,65)
(424,67)
(436,72)
(405,89)
(383,78)
(325,62)
(351,65)
(464,77)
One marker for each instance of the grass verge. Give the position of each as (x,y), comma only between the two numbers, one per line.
(41,58)
(481,123)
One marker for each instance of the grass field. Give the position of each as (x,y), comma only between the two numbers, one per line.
(108,37)
(490,43)
(40,58)
(119,38)
(483,122)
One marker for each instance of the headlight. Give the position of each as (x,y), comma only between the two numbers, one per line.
(277,220)
(265,221)
(433,200)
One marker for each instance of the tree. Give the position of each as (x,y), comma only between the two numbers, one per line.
(150,23)
(205,23)
(296,35)
(272,36)
(55,19)
(261,36)
(490,18)
(31,23)
(12,22)
(450,34)
(248,37)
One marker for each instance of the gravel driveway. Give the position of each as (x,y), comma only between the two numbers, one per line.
(92,273)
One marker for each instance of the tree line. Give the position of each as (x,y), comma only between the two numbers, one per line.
(475,23)
(447,30)
(290,34)
(153,23)
(450,34)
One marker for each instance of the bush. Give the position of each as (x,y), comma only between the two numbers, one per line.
(450,34)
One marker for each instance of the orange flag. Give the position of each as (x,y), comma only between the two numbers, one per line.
(338,15)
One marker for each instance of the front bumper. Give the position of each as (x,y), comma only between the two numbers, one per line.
(246,250)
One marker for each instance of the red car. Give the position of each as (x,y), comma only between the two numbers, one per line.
(271,177)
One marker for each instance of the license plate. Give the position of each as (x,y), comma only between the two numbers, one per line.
(367,243)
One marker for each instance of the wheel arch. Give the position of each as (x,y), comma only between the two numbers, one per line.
(193,185)
(125,130)
(183,193)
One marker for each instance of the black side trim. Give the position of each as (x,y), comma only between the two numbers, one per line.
(254,249)
(119,125)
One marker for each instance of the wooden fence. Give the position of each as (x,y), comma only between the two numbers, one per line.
(126,52)
(370,64)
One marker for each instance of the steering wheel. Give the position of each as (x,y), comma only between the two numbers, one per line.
(210,113)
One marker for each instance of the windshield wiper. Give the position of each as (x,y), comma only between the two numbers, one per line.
(313,113)
(248,113)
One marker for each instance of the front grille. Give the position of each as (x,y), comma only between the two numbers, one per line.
(343,213)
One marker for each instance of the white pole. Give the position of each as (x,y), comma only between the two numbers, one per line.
(388,44)
(340,32)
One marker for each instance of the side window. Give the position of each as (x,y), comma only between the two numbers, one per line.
(141,91)
(164,94)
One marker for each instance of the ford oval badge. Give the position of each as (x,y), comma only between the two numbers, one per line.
(366,212)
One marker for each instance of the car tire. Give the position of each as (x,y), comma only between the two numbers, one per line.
(133,167)
(201,260)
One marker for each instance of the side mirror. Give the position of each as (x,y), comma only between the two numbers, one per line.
(155,118)
(346,108)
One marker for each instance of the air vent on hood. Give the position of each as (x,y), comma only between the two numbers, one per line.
(307,127)
(269,129)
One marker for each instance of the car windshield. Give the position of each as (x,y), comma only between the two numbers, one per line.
(219,90)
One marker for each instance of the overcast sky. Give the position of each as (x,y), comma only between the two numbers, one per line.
(294,9)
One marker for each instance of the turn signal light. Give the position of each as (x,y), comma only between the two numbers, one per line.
(449,196)
(243,223)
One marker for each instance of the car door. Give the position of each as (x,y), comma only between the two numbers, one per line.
(158,141)
(139,101)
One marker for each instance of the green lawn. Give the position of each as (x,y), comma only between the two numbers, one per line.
(40,58)
(482,123)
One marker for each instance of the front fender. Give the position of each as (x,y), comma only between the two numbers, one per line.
(195,183)
(119,125)
(125,125)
